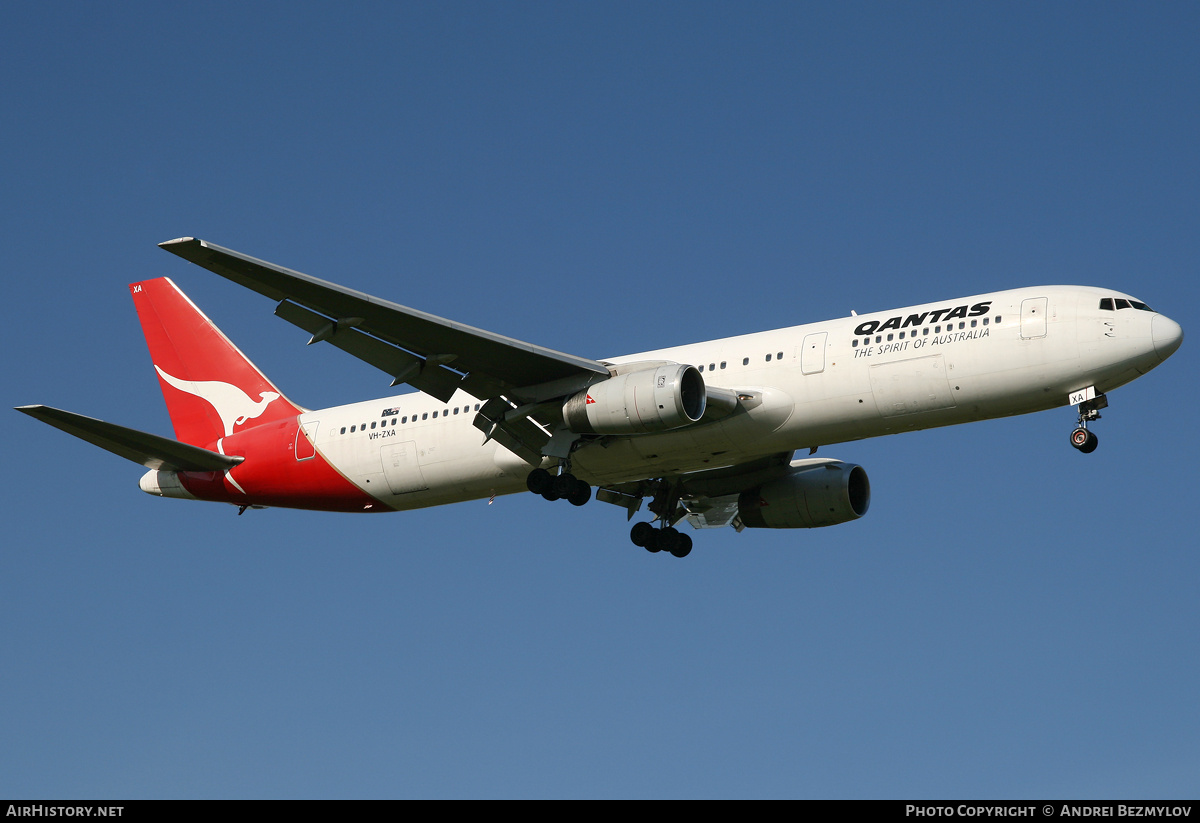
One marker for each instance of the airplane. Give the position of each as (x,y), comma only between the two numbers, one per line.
(705,432)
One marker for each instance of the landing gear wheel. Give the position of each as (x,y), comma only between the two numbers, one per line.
(642,534)
(1084,440)
(683,547)
(562,485)
(539,481)
(580,493)
(670,540)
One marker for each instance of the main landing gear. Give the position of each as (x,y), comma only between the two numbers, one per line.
(565,486)
(1089,410)
(667,539)
(663,538)
(667,511)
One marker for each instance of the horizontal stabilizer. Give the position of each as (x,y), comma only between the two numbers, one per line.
(149,450)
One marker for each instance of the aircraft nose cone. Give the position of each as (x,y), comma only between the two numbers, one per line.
(1167,336)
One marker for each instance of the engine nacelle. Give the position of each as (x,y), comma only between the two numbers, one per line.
(652,399)
(824,494)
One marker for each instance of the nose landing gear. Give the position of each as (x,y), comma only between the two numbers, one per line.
(1089,410)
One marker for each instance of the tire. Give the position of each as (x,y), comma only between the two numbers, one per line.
(669,540)
(562,485)
(538,481)
(1090,446)
(641,534)
(580,493)
(684,546)
(1084,440)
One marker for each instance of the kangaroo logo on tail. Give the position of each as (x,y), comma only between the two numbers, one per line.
(233,405)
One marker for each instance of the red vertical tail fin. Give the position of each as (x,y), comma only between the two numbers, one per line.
(211,388)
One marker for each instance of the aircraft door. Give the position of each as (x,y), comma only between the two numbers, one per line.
(306,440)
(1033,318)
(812,355)
(402,468)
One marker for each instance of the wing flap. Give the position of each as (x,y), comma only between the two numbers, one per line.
(431,378)
(149,450)
(712,512)
(499,420)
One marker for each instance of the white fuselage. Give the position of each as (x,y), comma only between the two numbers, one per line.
(936,364)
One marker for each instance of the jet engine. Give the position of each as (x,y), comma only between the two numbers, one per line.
(824,494)
(655,398)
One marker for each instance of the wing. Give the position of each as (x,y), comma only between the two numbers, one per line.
(150,450)
(432,354)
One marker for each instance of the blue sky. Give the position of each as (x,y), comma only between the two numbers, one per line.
(1012,619)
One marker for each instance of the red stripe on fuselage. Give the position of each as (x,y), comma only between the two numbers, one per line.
(272,476)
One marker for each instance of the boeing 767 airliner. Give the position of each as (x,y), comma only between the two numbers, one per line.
(705,432)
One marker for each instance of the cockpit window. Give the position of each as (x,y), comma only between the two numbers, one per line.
(1114,303)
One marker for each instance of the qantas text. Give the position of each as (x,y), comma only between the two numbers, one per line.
(936,316)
